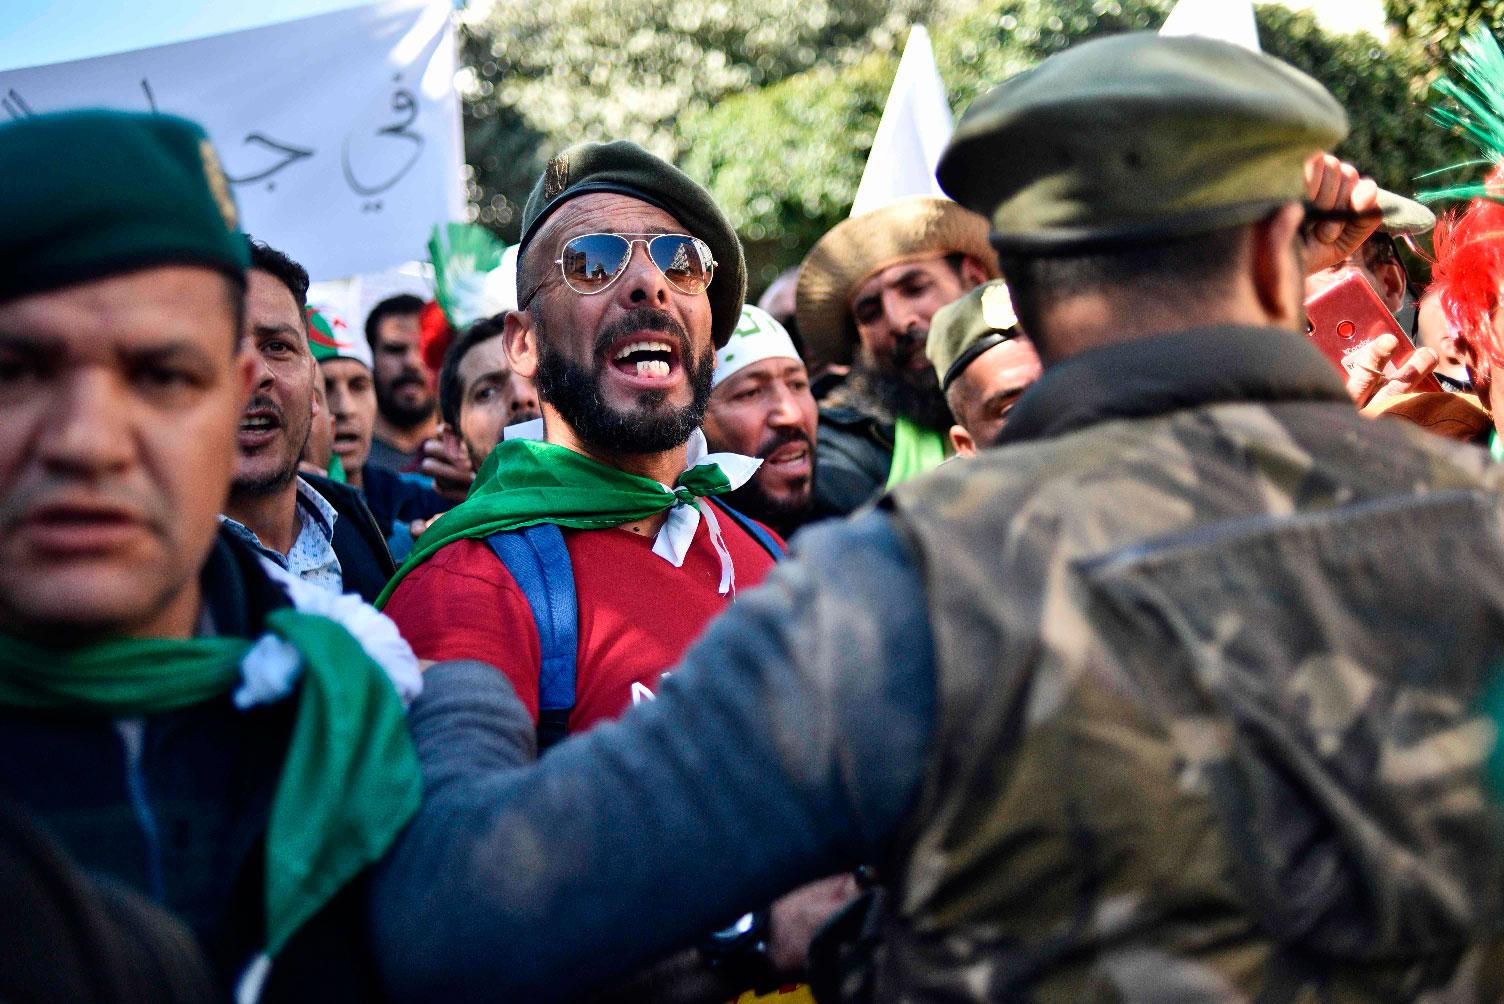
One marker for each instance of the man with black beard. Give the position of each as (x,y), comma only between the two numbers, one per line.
(318,530)
(406,389)
(867,292)
(762,405)
(629,278)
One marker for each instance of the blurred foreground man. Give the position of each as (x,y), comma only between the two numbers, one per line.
(867,292)
(985,364)
(761,406)
(1144,704)
(176,711)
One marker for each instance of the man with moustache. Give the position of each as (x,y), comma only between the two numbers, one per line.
(182,715)
(761,405)
(319,530)
(867,292)
(630,278)
(405,398)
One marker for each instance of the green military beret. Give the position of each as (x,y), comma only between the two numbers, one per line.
(963,329)
(91,193)
(625,168)
(1137,137)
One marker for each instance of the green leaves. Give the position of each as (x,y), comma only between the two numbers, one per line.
(774,103)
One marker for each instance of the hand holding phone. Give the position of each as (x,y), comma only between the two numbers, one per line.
(1344,320)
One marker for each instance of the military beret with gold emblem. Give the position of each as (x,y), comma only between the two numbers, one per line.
(1137,137)
(624,168)
(963,329)
(89,194)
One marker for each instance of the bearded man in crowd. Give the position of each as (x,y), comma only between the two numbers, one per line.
(761,406)
(866,295)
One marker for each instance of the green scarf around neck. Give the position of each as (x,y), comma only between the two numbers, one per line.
(916,451)
(351,778)
(527,481)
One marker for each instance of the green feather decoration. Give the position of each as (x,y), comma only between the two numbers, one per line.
(1475,108)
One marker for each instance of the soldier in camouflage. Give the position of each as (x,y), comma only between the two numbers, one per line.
(1171,697)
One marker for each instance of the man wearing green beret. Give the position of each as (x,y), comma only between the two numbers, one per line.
(183,716)
(866,295)
(985,364)
(1143,703)
(629,278)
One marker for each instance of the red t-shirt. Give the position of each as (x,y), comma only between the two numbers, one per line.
(638,613)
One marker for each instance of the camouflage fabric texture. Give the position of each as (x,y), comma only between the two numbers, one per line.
(1208,725)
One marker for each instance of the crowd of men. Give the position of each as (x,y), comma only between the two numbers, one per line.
(1015,605)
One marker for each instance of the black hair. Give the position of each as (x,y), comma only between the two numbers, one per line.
(400,305)
(1174,270)
(291,274)
(451,392)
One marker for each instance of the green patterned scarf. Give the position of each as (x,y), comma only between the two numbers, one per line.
(351,778)
(527,481)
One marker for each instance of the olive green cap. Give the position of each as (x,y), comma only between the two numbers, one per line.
(625,168)
(1137,137)
(963,329)
(1404,216)
(89,194)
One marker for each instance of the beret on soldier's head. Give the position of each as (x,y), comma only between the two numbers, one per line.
(89,194)
(1137,137)
(624,168)
(963,329)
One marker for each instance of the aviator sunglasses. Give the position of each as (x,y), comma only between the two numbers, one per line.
(590,263)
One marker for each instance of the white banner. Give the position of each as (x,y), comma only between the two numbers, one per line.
(340,133)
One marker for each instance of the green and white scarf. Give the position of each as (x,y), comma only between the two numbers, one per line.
(527,481)
(350,780)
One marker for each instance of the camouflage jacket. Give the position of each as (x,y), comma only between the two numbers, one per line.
(1209,649)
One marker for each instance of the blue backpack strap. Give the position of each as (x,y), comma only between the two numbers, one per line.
(539,563)
(756,530)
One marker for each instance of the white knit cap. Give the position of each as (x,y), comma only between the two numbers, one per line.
(757,337)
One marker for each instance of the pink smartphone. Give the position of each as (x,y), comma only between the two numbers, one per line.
(1346,316)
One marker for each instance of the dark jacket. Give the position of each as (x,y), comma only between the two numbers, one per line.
(365,564)
(396,500)
(175,806)
(853,452)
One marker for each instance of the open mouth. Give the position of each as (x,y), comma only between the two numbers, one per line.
(258,426)
(790,458)
(649,359)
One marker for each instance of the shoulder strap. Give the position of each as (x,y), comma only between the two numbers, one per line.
(757,531)
(539,563)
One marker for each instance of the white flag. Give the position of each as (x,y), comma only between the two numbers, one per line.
(914,129)
(1225,20)
(340,133)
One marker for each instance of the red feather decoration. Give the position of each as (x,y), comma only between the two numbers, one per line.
(435,334)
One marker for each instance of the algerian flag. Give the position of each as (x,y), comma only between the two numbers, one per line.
(915,127)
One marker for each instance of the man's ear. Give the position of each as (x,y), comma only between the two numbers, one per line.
(1275,268)
(962,442)
(1392,276)
(521,340)
(972,273)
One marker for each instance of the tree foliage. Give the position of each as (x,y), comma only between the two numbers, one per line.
(542,74)
(1435,25)
(774,103)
